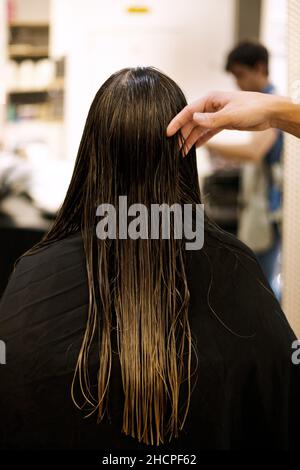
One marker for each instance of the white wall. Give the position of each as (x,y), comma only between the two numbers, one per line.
(31,10)
(274,36)
(186,39)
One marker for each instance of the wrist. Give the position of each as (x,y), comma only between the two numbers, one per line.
(281,111)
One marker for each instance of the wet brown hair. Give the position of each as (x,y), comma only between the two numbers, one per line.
(138,289)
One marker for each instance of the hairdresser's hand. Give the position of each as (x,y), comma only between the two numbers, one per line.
(204,118)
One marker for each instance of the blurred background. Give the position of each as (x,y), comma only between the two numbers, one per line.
(55,54)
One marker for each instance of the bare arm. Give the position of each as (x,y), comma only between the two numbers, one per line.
(252,151)
(285,115)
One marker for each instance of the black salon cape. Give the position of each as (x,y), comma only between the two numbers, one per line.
(248,391)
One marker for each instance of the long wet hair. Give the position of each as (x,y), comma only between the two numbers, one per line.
(137,288)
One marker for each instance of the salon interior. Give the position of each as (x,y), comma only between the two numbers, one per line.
(54,56)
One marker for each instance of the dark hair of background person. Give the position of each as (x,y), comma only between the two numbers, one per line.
(137,288)
(249,53)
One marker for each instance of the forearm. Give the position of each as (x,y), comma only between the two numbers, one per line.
(285,115)
(234,153)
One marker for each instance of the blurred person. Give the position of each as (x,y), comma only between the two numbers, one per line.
(261,184)
(261,189)
(157,346)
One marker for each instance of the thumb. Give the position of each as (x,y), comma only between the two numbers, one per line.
(211,120)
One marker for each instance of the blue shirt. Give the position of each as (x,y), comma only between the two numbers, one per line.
(274,156)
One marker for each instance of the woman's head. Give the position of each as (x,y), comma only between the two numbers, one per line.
(124,148)
(137,288)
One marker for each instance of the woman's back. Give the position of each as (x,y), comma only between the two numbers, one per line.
(246,392)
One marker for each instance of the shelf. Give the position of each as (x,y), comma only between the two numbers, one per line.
(58,85)
(28,24)
(41,122)
(26,50)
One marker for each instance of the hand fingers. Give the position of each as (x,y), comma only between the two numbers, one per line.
(210,105)
(179,121)
(185,116)
(194,136)
(219,119)
(206,136)
(186,131)
(199,137)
